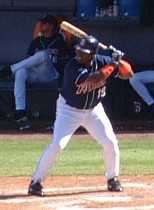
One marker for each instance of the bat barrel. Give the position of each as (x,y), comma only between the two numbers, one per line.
(78,32)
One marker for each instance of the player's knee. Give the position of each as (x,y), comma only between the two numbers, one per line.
(21,74)
(62,142)
(54,147)
(62,145)
(112,147)
(59,146)
(111,143)
(42,56)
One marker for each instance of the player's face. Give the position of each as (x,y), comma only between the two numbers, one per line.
(47,28)
(83,58)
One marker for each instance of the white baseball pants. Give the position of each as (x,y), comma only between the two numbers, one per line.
(68,119)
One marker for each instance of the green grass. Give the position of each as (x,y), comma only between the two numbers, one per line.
(137,156)
(18,157)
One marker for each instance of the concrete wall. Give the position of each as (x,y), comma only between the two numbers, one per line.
(16,34)
(58,4)
(17,19)
(5,3)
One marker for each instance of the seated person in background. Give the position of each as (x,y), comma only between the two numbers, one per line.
(139,81)
(47,55)
(38,31)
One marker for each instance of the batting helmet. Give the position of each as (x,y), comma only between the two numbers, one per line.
(88,45)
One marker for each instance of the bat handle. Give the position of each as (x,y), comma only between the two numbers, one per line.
(101,45)
(113,49)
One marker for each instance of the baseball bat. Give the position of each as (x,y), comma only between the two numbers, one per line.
(66,26)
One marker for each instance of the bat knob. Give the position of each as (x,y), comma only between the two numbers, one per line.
(114,50)
(116,54)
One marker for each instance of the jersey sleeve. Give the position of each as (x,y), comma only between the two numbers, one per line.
(104,59)
(82,75)
(76,72)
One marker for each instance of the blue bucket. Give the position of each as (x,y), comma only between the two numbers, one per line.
(130,7)
(86,8)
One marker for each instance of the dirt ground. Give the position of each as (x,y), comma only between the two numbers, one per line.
(78,193)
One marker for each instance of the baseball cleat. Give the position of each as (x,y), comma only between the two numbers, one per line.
(35,189)
(23,123)
(114,185)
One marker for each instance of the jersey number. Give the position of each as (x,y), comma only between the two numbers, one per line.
(101,92)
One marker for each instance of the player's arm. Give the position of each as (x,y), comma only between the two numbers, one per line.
(108,67)
(95,80)
(102,74)
(98,78)
(123,69)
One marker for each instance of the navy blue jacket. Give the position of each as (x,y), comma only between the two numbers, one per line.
(57,49)
(75,73)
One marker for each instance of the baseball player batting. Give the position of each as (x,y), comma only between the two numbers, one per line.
(79,104)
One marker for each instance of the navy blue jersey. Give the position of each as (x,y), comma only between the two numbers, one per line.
(75,73)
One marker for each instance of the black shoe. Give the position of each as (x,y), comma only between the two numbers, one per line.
(5,72)
(22,120)
(23,124)
(50,128)
(20,114)
(114,185)
(35,189)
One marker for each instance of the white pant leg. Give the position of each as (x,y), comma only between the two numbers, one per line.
(99,126)
(138,82)
(67,121)
(20,89)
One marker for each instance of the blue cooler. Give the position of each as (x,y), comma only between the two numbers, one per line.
(86,8)
(130,7)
